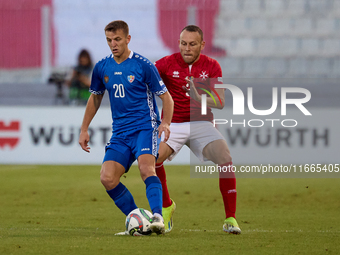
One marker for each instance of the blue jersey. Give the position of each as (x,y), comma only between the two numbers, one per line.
(132,86)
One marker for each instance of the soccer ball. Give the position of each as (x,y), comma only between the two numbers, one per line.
(138,222)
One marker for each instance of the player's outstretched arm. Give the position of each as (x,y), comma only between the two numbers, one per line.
(92,107)
(168,109)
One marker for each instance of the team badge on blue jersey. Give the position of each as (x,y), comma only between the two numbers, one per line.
(131,78)
(106,78)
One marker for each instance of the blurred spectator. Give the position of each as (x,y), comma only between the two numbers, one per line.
(80,81)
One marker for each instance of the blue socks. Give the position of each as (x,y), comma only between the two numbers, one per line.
(154,194)
(122,198)
(125,202)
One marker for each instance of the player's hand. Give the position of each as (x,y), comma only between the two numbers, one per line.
(164,127)
(194,94)
(84,139)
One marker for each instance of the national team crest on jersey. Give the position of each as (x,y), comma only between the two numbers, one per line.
(204,75)
(131,78)
(106,79)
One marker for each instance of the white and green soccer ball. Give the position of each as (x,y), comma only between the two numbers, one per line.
(138,222)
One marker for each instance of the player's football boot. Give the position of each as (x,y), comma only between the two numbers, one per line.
(168,212)
(125,233)
(157,225)
(230,226)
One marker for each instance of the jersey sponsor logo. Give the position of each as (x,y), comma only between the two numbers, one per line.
(9,134)
(161,83)
(131,78)
(175,74)
(145,149)
(204,75)
(118,73)
(106,79)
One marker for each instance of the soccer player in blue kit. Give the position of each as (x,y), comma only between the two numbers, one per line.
(131,81)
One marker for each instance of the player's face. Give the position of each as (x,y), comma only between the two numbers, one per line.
(190,45)
(118,43)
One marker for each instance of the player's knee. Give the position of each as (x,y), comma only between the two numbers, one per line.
(109,182)
(164,152)
(221,157)
(160,161)
(147,171)
(227,158)
(218,152)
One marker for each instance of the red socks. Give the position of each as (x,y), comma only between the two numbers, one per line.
(227,182)
(162,177)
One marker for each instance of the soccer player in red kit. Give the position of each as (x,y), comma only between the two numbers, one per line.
(205,141)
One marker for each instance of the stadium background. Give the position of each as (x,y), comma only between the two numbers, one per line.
(259,43)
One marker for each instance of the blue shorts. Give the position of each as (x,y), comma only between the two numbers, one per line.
(126,147)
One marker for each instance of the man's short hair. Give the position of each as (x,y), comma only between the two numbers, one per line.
(193,28)
(117,25)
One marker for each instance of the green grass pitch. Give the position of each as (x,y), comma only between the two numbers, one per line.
(65,210)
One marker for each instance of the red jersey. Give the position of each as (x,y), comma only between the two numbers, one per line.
(173,70)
